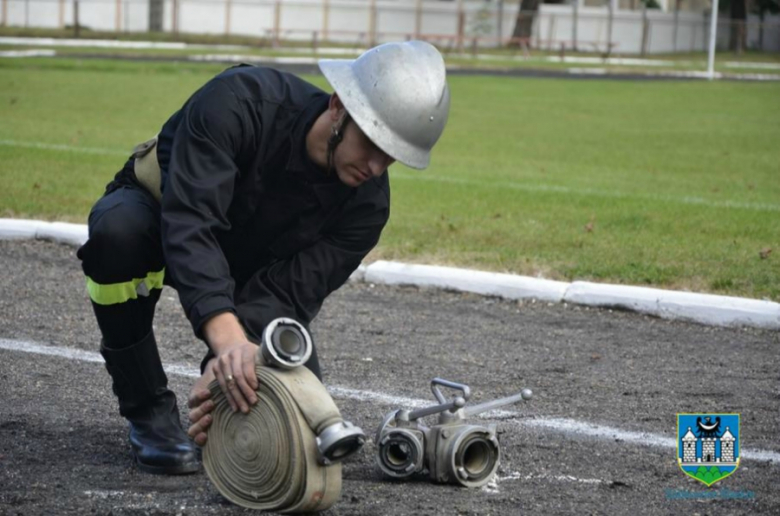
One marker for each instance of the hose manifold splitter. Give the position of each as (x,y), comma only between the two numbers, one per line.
(452,451)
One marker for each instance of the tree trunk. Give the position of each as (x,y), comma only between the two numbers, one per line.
(525,22)
(738,36)
(155,15)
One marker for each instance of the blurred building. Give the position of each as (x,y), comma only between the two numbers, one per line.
(603,26)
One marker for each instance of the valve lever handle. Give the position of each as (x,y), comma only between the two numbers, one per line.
(523,395)
(437,409)
(452,385)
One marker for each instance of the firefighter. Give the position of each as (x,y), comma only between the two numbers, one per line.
(256,200)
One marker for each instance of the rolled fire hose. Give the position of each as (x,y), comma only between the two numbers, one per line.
(268,458)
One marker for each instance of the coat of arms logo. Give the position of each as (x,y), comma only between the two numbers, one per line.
(708,445)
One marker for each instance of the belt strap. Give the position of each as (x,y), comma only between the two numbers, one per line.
(146,167)
(267,459)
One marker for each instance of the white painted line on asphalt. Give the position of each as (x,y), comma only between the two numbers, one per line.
(572,426)
(53,351)
(565,426)
(105,494)
(492,486)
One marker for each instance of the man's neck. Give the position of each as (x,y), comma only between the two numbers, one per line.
(317,141)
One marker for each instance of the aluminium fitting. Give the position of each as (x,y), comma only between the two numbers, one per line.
(452,451)
(286,344)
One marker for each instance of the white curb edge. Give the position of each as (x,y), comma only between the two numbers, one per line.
(507,286)
(668,304)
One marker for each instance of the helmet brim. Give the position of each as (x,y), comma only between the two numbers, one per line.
(341,77)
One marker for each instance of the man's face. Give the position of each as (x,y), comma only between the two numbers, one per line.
(356,159)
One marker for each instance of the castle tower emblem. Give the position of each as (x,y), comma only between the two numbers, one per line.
(708,445)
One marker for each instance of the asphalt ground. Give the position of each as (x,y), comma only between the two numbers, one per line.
(598,437)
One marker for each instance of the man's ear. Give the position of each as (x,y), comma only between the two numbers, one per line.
(336,109)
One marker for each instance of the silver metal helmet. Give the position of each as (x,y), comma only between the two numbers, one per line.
(397,94)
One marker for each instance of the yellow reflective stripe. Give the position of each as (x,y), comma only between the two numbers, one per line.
(122,292)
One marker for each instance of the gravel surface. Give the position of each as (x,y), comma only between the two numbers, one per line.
(63,445)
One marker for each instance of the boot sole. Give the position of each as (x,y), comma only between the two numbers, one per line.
(183,469)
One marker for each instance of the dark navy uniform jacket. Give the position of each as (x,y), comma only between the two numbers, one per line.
(249,224)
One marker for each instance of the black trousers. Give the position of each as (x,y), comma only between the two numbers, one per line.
(125,268)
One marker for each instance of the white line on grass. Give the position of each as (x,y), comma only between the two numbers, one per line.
(565,426)
(747,64)
(589,192)
(241,58)
(99,43)
(65,148)
(28,53)
(486,184)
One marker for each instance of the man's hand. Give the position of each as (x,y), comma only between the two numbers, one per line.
(201,405)
(234,365)
(234,369)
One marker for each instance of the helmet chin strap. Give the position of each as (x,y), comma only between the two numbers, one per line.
(336,135)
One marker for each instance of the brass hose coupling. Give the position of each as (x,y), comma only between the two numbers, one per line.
(452,451)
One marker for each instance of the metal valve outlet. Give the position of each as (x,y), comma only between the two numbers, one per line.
(452,450)
(286,344)
(339,441)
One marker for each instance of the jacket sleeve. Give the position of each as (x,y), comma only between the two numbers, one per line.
(201,176)
(297,286)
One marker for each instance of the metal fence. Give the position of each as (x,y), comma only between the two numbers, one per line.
(459,25)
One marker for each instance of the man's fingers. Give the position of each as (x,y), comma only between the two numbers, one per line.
(197,398)
(243,391)
(200,411)
(223,384)
(250,373)
(199,427)
(200,439)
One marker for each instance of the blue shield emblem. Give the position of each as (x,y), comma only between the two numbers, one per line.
(708,445)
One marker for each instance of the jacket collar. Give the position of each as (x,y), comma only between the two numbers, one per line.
(327,187)
(299,159)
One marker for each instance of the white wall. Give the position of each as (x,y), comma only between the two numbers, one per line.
(348,21)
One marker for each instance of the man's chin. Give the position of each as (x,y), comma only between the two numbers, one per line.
(350,180)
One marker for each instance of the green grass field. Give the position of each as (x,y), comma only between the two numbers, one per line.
(669,184)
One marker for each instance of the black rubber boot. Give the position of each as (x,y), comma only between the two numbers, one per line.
(159,443)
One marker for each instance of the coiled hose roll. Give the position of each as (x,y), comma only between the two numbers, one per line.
(267,459)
